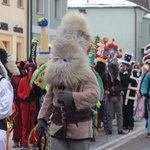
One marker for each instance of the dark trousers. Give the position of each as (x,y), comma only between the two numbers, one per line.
(128,120)
(102,113)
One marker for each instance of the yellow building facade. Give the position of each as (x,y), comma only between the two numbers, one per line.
(13,27)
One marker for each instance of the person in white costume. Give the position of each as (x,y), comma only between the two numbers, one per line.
(6,100)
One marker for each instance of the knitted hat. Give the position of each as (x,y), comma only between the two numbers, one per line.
(44,54)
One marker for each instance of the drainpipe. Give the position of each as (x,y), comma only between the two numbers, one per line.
(28,16)
(30,23)
(29,26)
(135,32)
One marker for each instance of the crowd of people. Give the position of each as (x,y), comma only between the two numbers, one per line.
(80,86)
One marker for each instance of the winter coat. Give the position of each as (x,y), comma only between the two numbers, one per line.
(87,96)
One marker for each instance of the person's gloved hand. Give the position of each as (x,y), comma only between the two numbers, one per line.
(42,124)
(65,96)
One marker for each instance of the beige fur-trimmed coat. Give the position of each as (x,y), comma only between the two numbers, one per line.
(87,96)
(68,67)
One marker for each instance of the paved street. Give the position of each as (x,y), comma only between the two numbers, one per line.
(137,143)
(106,142)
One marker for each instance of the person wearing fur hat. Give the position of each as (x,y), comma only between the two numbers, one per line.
(27,105)
(73,86)
(145,89)
(6,100)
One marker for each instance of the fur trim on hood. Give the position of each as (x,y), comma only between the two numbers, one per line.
(69,63)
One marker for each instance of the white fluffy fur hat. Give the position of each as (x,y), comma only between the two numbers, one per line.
(69,63)
(74,25)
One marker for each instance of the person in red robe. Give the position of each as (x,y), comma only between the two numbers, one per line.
(27,106)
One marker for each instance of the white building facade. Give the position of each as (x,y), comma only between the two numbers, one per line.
(127,23)
(13,22)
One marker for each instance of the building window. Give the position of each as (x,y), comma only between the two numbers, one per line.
(39,6)
(5,2)
(20,3)
(57,9)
